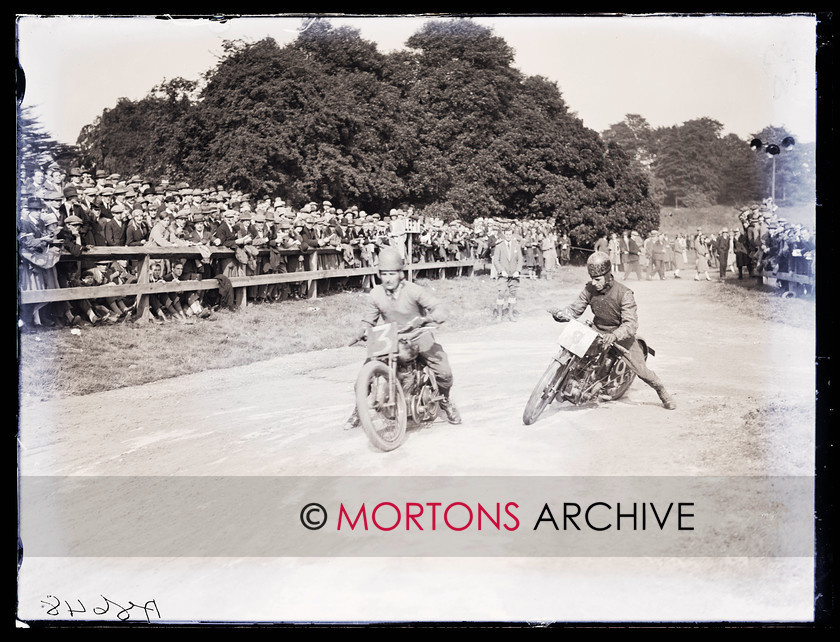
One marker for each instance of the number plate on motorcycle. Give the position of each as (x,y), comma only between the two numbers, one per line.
(577,337)
(382,340)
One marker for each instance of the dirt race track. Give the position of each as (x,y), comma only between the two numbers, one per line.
(744,390)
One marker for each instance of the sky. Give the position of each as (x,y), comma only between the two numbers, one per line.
(746,72)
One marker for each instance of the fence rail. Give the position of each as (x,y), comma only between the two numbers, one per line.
(145,255)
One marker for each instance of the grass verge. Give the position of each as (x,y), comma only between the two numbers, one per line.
(57,363)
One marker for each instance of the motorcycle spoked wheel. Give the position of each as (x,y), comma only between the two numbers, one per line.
(424,410)
(545,390)
(383,420)
(620,379)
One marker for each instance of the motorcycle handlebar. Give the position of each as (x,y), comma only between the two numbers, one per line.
(405,334)
(562,319)
(413,333)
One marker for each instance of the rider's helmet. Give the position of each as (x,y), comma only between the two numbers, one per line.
(390,260)
(598,264)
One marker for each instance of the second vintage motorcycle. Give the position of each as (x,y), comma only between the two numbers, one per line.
(582,371)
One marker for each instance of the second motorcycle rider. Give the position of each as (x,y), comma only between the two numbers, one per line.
(614,309)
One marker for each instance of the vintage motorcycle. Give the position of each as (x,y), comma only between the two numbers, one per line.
(393,385)
(582,371)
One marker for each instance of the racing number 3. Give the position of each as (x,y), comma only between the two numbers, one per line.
(382,339)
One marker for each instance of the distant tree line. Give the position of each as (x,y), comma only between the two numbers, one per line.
(36,149)
(447,125)
(692,165)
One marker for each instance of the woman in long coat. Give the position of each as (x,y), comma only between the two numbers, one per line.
(680,255)
(615,253)
(701,261)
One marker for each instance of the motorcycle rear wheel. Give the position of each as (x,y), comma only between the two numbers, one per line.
(621,377)
(545,390)
(384,419)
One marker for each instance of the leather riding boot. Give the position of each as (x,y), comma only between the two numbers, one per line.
(452,414)
(513,315)
(667,400)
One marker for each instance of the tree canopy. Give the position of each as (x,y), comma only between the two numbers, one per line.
(35,148)
(447,125)
(692,164)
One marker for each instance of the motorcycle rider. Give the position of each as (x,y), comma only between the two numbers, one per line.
(411,306)
(614,309)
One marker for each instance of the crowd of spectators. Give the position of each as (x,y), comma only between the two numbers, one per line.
(84,209)
(67,213)
(774,246)
(760,245)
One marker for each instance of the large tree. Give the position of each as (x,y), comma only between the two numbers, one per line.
(635,136)
(141,137)
(688,160)
(448,125)
(309,120)
(465,85)
(740,178)
(36,149)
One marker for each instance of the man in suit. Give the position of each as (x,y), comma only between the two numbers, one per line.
(564,247)
(71,205)
(742,254)
(507,262)
(646,255)
(111,225)
(630,255)
(722,247)
(232,236)
(658,255)
(602,244)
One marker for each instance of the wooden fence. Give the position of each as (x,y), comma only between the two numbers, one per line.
(145,255)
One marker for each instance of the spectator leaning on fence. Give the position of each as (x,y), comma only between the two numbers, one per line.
(263,233)
(40,248)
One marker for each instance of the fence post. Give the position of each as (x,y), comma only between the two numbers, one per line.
(143,299)
(408,254)
(143,259)
(312,284)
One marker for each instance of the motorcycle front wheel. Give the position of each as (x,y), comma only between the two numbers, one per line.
(620,378)
(382,415)
(545,390)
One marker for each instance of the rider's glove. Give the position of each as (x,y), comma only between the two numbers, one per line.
(361,334)
(558,315)
(608,338)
